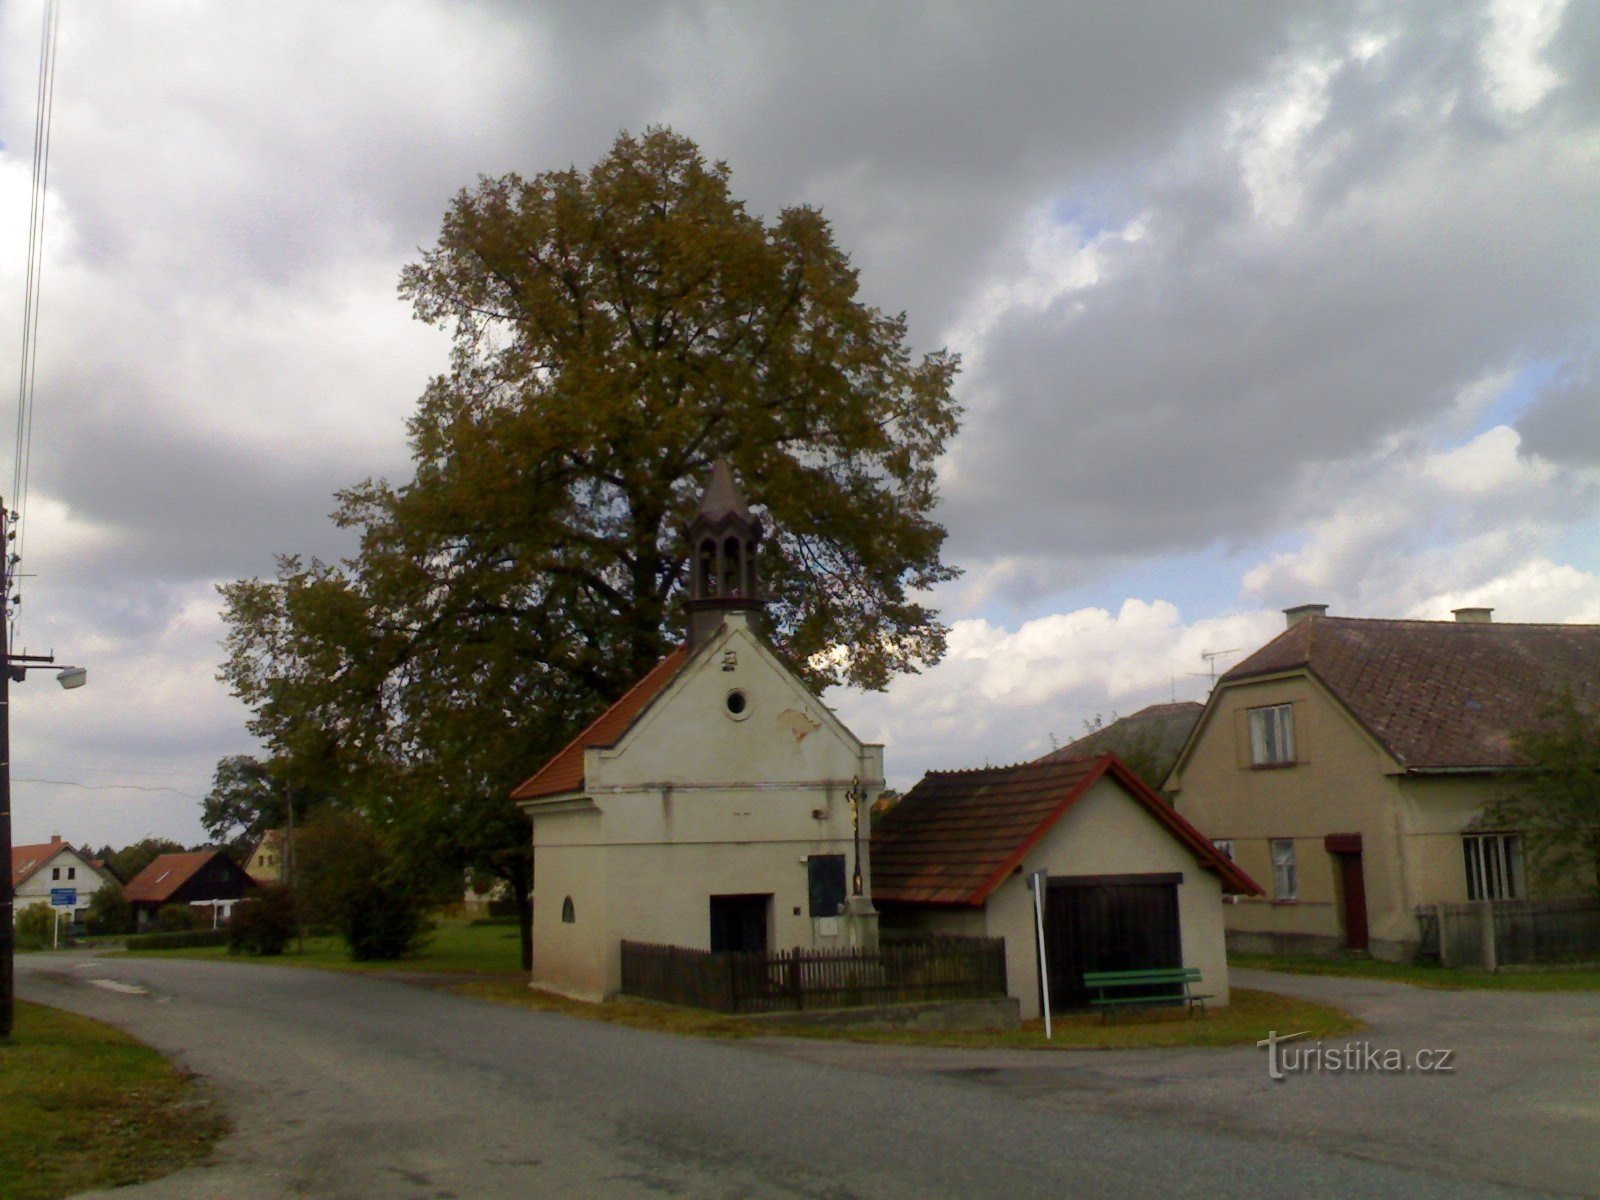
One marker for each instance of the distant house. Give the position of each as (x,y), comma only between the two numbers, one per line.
(713,805)
(1129,883)
(37,870)
(1347,760)
(1148,741)
(208,880)
(266,862)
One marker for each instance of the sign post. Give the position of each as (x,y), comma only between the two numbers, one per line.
(61,898)
(1036,885)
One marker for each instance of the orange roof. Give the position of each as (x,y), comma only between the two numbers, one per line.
(957,835)
(564,772)
(25,860)
(165,875)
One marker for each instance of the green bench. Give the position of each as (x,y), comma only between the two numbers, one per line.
(1176,983)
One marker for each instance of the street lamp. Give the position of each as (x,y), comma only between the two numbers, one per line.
(14,667)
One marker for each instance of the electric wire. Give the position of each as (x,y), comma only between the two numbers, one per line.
(44,114)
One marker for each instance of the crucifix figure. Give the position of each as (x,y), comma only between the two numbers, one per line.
(855,796)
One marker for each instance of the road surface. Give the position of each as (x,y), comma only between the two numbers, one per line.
(349,1086)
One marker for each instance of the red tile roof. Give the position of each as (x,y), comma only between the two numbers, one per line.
(564,772)
(957,835)
(25,860)
(1437,693)
(165,875)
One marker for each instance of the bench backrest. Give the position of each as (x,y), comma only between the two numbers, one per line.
(1135,978)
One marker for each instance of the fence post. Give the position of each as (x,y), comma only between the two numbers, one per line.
(795,989)
(1488,936)
(1444,936)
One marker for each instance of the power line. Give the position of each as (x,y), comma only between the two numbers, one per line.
(44,115)
(108,787)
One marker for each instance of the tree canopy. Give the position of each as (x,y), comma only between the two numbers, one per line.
(615,332)
(1555,807)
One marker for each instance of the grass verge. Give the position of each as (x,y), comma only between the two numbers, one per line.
(453,947)
(1246,1020)
(83,1106)
(1508,979)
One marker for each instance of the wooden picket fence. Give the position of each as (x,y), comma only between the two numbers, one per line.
(942,968)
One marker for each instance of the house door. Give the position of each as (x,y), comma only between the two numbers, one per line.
(739,923)
(1108,923)
(1346,851)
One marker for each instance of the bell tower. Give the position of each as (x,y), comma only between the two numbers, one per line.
(723,540)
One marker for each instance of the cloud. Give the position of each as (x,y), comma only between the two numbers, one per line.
(1004,695)
(1235,284)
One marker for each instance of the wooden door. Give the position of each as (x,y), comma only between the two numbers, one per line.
(1108,923)
(1353,893)
(739,923)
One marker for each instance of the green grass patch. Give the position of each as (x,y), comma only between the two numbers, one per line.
(1246,1020)
(453,946)
(1509,979)
(83,1106)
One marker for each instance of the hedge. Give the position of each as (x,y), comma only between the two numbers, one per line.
(182,940)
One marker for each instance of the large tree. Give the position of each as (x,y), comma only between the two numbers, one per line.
(615,332)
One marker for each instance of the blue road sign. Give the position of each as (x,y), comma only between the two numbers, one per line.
(64,897)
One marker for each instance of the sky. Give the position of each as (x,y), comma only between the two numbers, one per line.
(1259,304)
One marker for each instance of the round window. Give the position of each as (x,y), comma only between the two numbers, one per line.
(738,705)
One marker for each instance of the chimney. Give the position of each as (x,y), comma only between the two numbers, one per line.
(1301,612)
(55,839)
(1474,616)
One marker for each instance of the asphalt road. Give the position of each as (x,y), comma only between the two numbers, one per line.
(345,1086)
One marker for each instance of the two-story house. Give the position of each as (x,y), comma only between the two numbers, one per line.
(1344,765)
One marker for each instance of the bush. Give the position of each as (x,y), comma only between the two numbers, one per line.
(109,911)
(263,925)
(176,918)
(383,921)
(36,927)
(184,939)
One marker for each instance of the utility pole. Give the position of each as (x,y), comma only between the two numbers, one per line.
(13,668)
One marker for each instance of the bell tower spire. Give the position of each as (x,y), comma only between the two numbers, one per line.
(723,539)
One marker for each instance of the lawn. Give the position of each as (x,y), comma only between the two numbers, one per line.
(459,947)
(1511,979)
(83,1106)
(452,947)
(1247,1020)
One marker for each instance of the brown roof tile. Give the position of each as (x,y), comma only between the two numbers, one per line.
(25,860)
(1437,693)
(564,772)
(955,837)
(165,875)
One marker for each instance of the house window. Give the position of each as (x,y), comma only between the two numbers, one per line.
(55,872)
(569,914)
(1494,866)
(1272,735)
(1285,879)
(72,872)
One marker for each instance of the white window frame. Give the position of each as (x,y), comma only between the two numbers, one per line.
(1285,874)
(1493,864)
(1271,735)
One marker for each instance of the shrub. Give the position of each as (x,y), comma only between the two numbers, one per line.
(383,921)
(176,918)
(109,911)
(36,927)
(263,925)
(184,939)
